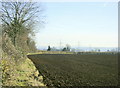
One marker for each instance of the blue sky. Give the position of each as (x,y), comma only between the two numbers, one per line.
(92,24)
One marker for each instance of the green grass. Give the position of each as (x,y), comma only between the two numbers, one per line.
(77,70)
(51,52)
(23,74)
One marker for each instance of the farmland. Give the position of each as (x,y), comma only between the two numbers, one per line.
(76,69)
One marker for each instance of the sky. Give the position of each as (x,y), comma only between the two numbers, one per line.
(83,24)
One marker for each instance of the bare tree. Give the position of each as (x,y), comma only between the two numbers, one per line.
(17,16)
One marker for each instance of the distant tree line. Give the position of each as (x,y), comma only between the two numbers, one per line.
(66,48)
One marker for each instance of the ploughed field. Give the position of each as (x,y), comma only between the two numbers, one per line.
(77,70)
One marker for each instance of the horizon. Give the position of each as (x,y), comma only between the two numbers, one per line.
(77,49)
